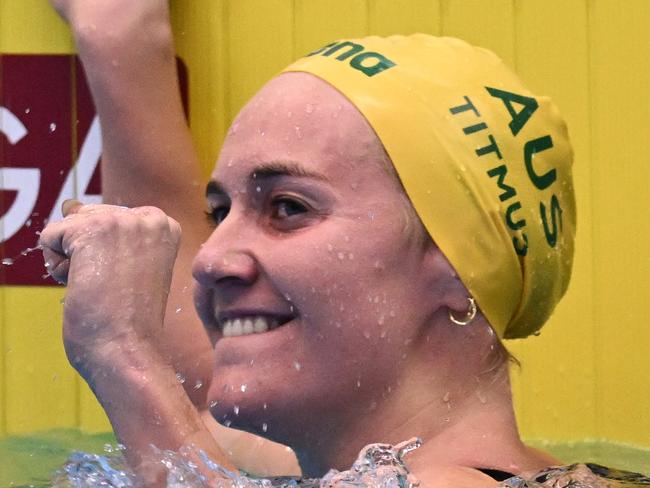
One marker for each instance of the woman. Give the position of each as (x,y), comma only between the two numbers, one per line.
(365,202)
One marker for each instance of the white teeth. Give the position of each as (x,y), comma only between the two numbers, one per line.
(246,326)
(237,327)
(260,325)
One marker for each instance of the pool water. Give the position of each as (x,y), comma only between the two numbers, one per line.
(30,460)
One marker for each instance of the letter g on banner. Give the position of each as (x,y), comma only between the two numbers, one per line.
(24,181)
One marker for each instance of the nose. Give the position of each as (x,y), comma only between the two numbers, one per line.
(225,257)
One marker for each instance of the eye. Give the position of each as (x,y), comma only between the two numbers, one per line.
(285,207)
(217,214)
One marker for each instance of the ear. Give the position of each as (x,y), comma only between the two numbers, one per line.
(445,286)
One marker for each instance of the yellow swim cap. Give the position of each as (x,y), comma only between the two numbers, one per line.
(486,164)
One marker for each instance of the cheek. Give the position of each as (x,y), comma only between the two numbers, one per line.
(348,291)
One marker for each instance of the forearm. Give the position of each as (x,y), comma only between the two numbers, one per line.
(148,157)
(128,55)
(147,406)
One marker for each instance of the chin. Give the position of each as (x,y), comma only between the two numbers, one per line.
(276,415)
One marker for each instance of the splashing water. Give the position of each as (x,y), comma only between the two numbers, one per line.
(24,252)
(377,466)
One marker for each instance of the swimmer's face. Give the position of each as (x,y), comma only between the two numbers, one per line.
(310,240)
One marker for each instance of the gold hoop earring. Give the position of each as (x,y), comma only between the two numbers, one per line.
(469,316)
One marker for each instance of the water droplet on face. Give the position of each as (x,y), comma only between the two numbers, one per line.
(235,409)
(358,383)
(178,310)
(297,365)
(180,378)
(214,403)
(7,261)
(258,189)
(243,388)
(198,384)
(228,423)
(264,427)
(52,127)
(27,110)
(264,406)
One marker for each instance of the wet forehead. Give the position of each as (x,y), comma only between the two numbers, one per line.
(299,117)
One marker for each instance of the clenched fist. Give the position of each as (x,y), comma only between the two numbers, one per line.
(117,263)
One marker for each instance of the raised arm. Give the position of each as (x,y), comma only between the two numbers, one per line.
(148,158)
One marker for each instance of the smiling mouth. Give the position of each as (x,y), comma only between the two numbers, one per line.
(259,324)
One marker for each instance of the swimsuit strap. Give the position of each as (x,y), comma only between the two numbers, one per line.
(496,474)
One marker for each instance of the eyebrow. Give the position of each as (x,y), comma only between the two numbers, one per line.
(267,171)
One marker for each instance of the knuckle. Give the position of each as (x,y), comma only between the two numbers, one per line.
(152,217)
(174,226)
(149,210)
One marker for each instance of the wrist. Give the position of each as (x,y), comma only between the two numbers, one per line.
(125,360)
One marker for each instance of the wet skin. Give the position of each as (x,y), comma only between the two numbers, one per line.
(311,230)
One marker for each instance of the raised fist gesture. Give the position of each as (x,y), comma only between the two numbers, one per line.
(117,263)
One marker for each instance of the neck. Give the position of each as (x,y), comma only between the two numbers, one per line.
(463,422)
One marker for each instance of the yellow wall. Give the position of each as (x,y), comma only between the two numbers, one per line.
(585,376)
